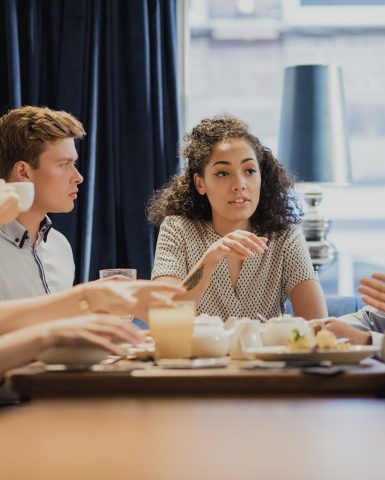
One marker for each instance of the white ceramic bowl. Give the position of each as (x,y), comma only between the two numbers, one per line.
(73,356)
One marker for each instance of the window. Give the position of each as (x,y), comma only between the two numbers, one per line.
(236,55)
(336,13)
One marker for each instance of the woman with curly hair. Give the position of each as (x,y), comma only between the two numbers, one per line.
(227,228)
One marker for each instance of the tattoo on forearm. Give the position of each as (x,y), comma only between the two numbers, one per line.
(191,281)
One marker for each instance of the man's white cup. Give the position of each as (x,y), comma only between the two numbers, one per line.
(26,192)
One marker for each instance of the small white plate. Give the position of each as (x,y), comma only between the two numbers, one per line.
(353,354)
(193,363)
(79,356)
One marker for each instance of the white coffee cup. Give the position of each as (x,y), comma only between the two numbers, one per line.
(26,192)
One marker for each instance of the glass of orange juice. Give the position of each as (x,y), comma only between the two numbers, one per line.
(171,326)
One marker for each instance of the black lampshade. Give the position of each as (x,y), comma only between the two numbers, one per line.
(313,143)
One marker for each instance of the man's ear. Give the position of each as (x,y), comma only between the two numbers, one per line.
(199,184)
(21,171)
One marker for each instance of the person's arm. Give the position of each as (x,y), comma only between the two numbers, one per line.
(117,298)
(20,313)
(355,335)
(239,244)
(373,290)
(300,281)
(21,347)
(308,300)
(195,282)
(363,327)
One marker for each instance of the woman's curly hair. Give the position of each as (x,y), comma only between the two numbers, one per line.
(277,208)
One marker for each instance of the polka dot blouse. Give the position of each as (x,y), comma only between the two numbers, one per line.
(265,280)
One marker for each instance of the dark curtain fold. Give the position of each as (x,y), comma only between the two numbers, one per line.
(113,65)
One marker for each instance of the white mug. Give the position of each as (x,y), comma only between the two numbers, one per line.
(26,192)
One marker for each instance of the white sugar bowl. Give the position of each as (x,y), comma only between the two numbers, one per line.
(277,330)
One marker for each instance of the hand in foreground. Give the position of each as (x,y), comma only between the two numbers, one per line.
(9,203)
(342,329)
(96,329)
(373,290)
(239,244)
(134,297)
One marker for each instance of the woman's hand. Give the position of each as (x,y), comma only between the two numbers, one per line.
(342,329)
(373,290)
(239,244)
(9,203)
(133,297)
(96,329)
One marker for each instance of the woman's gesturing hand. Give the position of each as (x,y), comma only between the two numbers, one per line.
(239,244)
(373,290)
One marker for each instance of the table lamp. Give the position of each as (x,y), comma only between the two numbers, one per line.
(313,145)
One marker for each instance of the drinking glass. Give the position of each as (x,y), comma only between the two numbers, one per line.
(171,326)
(130,273)
(110,272)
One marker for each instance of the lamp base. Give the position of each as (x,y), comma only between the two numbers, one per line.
(322,253)
(316,228)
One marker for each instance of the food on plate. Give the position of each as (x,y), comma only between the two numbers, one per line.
(324,340)
(298,342)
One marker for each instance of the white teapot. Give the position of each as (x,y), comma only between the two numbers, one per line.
(210,338)
(277,330)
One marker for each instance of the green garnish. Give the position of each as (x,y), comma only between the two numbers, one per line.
(297,335)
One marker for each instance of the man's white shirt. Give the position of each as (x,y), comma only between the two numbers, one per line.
(28,270)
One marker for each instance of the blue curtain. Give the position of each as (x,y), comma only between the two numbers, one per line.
(113,65)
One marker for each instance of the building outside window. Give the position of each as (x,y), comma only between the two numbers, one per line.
(235,58)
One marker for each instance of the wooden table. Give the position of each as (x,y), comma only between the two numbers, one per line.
(366,379)
(216,438)
(211,424)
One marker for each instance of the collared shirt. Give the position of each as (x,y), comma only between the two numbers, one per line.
(28,270)
(370,320)
(264,282)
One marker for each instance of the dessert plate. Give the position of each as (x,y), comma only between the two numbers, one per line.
(353,354)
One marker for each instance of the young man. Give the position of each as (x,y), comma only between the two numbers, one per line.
(28,326)
(37,145)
